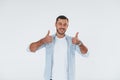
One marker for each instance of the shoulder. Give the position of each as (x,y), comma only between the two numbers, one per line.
(68,37)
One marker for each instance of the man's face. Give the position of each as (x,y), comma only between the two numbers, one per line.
(61,26)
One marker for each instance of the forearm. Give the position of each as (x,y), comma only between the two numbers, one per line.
(35,45)
(83,48)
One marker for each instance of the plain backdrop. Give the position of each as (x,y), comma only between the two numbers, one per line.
(26,21)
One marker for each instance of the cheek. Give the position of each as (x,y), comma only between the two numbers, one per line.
(66,27)
(58,26)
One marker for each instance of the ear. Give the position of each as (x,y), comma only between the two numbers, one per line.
(55,24)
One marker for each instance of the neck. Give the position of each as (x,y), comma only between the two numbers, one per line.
(59,35)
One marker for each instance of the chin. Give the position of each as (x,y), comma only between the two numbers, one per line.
(61,33)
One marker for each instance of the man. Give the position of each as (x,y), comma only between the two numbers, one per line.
(60,51)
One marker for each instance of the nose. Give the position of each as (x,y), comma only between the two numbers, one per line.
(62,26)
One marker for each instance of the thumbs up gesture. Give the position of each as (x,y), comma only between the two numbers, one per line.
(75,39)
(48,38)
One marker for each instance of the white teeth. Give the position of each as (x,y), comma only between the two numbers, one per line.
(62,29)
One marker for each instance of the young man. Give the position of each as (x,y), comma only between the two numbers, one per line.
(60,51)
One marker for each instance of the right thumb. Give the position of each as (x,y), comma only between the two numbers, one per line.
(48,33)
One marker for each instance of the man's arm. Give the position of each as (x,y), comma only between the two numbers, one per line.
(82,47)
(35,45)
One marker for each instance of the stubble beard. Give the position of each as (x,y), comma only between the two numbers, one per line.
(61,33)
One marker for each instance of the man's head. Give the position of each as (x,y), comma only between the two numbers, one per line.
(61,24)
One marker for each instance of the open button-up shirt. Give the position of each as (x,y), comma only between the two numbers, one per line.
(71,48)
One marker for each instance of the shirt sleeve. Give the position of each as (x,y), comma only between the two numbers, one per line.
(78,50)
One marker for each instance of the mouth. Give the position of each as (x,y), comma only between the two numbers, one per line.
(62,29)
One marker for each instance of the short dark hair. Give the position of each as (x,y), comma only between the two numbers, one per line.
(61,17)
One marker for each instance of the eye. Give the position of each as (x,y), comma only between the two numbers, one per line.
(65,24)
(59,23)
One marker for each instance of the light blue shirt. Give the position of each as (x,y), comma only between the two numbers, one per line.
(71,48)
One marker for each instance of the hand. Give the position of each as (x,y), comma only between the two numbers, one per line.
(48,38)
(75,39)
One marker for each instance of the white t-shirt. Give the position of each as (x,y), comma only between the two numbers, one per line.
(59,71)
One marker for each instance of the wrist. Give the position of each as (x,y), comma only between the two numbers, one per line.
(43,41)
(80,43)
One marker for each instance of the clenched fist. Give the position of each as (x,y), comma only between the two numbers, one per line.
(75,39)
(48,38)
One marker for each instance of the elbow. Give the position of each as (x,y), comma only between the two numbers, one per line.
(32,50)
(32,47)
(84,51)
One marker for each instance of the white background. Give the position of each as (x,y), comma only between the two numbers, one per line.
(26,21)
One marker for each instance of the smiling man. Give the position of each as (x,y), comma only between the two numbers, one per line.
(60,51)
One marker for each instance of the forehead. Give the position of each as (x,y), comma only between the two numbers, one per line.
(62,21)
